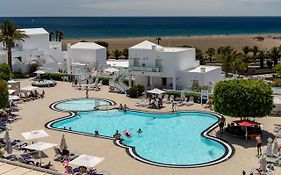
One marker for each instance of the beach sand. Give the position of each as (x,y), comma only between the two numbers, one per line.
(201,42)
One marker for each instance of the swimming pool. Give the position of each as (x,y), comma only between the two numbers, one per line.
(77,105)
(173,140)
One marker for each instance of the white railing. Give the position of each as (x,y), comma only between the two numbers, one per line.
(146,69)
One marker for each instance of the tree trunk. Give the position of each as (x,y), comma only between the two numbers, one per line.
(10,57)
(261,62)
(275,61)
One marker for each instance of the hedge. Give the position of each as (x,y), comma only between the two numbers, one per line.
(55,76)
(4,94)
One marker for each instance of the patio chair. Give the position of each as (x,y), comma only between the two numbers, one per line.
(171,99)
(274,160)
(58,154)
(191,101)
(166,98)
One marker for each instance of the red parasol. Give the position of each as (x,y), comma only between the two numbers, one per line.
(246,123)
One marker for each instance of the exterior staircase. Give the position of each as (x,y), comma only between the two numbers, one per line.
(117,81)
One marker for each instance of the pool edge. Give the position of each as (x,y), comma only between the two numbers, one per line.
(130,150)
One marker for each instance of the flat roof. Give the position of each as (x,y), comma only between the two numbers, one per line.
(86,45)
(34,31)
(207,69)
(149,45)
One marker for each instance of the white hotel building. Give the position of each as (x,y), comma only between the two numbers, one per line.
(154,66)
(36,49)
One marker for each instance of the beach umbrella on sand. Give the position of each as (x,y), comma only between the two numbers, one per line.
(268,151)
(63,144)
(6,137)
(275,148)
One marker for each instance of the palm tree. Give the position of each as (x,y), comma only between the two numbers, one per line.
(246,50)
(262,55)
(255,50)
(211,53)
(57,35)
(158,39)
(275,55)
(51,36)
(9,33)
(240,62)
(60,36)
(226,56)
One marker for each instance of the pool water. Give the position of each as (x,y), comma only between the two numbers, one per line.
(168,139)
(85,104)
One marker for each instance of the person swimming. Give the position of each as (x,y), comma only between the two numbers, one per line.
(139,131)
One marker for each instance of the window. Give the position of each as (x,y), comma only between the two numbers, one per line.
(164,81)
(19,58)
(158,62)
(136,61)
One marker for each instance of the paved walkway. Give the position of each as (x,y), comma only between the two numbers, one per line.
(7,169)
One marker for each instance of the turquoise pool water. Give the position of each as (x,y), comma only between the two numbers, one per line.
(85,104)
(168,139)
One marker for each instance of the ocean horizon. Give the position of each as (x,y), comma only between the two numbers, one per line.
(131,27)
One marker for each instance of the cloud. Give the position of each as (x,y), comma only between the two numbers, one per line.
(140,8)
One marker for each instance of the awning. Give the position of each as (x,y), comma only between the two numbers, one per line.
(28,88)
(87,160)
(156,91)
(14,97)
(11,91)
(40,146)
(39,72)
(246,123)
(34,134)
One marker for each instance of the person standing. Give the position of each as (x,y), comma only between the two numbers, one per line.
(87,92)
(259,141)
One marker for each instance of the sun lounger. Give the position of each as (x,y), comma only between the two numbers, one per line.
(142,103)
(191,101)
(274,160)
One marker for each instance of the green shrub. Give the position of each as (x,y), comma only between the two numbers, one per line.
(55,76)
(276,83)
(105,80)
(243,98)
(5,72)
(4,94)
(135,91)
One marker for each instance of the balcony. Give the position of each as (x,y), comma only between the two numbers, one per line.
(146,69)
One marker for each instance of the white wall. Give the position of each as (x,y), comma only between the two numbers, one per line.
(36,41)
(88,56)
(172,62)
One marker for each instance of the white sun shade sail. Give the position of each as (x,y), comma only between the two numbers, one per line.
(11,91)
(28,88)
(40,146)
(36,134)
(39,72)
(87,160)
(156,91)
(14,97)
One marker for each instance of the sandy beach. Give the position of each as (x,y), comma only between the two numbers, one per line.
(201,42)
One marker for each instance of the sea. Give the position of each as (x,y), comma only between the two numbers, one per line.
(129,27)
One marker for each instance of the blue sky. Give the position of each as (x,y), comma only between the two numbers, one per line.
(140,7)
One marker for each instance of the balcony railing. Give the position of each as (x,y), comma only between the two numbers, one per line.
(146,69)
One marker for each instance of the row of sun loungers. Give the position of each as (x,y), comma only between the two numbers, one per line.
(168,100)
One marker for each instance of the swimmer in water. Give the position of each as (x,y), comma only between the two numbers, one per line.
(139,131)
